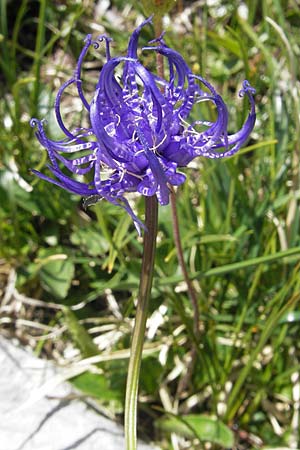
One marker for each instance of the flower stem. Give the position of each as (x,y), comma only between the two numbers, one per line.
(191,292)
(177,240)
(151,214)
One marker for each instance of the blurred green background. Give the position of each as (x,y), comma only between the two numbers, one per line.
(69,276)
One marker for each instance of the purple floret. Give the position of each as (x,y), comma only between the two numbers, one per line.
(140,133)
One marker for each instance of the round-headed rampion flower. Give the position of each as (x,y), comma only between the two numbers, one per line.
(139,132)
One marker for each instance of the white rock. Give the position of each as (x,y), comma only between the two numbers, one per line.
(30,420)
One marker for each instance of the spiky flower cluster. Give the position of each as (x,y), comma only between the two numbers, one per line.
(139,133)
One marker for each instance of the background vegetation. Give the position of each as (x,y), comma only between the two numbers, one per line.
(69,276)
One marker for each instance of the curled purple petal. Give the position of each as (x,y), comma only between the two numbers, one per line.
(133,42)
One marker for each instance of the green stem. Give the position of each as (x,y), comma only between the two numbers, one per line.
(151,214)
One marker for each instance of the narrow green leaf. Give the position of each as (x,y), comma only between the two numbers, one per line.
(235,266)
(225,41)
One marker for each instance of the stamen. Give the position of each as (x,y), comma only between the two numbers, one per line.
(160,143)
(119,120)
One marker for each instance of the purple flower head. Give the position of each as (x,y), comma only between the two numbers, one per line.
(140,132)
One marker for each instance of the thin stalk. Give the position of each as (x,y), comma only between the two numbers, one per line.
(191,292)
(5,61)
(151,215)
(37,56)
(177,238)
